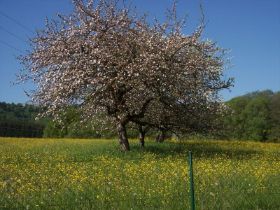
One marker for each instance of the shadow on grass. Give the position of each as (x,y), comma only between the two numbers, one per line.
(199,149)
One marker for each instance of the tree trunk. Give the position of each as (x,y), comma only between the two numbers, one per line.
(123,140)
(161,136)
(141,136)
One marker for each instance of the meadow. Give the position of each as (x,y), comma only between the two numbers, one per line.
(94,174)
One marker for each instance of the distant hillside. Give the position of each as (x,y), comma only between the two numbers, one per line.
(18,120)
(17,111)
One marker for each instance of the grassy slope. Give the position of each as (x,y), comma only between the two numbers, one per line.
(94,174)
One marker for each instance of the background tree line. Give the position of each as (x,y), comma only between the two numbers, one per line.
(254,116)
(18,120)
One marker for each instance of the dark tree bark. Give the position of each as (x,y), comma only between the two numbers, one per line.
(141,136)
(123,140)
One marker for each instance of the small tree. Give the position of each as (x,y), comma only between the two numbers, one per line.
(106,60)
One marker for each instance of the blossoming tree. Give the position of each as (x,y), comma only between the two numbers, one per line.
(106,60)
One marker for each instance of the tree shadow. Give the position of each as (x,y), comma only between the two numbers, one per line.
(199,149)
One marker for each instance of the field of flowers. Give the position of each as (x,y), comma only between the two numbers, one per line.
(94,174)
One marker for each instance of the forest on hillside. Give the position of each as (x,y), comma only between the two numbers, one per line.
(254,116)
(18,120)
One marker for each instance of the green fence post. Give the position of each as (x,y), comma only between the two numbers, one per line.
(192,199)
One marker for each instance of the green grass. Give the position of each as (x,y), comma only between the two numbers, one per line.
(95,174)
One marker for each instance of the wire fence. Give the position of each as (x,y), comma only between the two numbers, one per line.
(103,182)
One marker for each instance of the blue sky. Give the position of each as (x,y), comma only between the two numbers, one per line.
(249,28)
